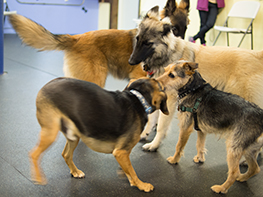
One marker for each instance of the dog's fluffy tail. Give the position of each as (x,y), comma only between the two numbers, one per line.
(36,36)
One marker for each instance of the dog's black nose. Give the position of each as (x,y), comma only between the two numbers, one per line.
(132,62)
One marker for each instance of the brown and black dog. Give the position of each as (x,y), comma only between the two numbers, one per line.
(93,55)
(213,111)
(106,121)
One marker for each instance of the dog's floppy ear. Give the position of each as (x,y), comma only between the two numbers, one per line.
(130,82)
(190,67)
(159,101)
(153,13)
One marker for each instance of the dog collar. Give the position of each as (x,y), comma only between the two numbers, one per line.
(150,73)
(148,109)
(192,86)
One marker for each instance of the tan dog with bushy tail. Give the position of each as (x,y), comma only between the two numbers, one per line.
(93,55)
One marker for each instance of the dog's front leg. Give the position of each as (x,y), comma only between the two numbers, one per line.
(122,157)
(164,122)
(152,122)
(200,147)
(186,128)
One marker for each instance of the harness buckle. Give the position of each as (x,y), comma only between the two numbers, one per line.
(182,108)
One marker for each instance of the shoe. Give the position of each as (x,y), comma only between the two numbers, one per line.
(191,39)
(204,44)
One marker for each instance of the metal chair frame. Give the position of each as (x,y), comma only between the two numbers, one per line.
(236,13)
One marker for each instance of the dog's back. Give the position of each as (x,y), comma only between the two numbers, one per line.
(91,108)
(228,114)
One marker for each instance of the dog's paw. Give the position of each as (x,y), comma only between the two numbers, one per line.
(39,180)
(146,187)
(242,178)
(150,147)
(219,189)
(172,160)
(78,174)
(38,177)
(198,159)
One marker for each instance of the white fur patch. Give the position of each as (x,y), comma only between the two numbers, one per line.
(70,135)
(167,20)
(170,40)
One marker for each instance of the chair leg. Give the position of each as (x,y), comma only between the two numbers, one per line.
(227,36)
(251,41)
(242,39)
(216,38)
(251,36)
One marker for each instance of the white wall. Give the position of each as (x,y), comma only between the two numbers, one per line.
(193,27)
(127,11)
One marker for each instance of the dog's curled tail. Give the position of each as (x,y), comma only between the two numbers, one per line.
(36,36)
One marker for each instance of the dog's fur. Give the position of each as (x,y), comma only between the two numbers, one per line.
(93,55)
(233,70)
(107,122)
(225,114)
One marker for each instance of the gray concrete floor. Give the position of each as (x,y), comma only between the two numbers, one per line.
(27,71)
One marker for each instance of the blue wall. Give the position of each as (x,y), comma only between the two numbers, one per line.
(57,18)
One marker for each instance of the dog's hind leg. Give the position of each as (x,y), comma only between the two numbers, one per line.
(233,158)
(68,156)
(47,137)
(122,157)
(183,138)
(253,168)
(200,147)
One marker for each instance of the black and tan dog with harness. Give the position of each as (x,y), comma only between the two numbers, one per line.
(213,111)
(106,121)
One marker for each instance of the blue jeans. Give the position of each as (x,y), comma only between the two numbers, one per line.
(207,20)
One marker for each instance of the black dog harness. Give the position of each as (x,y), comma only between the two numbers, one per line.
(192,110)
(190,87)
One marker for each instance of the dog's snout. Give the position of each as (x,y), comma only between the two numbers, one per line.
(131,61)
(134,60)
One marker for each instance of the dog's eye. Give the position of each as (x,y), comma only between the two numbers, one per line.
(148,43)
(171,75)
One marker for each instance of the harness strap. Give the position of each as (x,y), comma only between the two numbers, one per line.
(192,110)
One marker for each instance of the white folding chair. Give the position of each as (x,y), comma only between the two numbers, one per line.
(241,9)
(7,10)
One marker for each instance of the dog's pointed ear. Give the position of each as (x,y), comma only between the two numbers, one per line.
(170,7)
(190,67)
(153,13)
(160,102)
(185,4)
